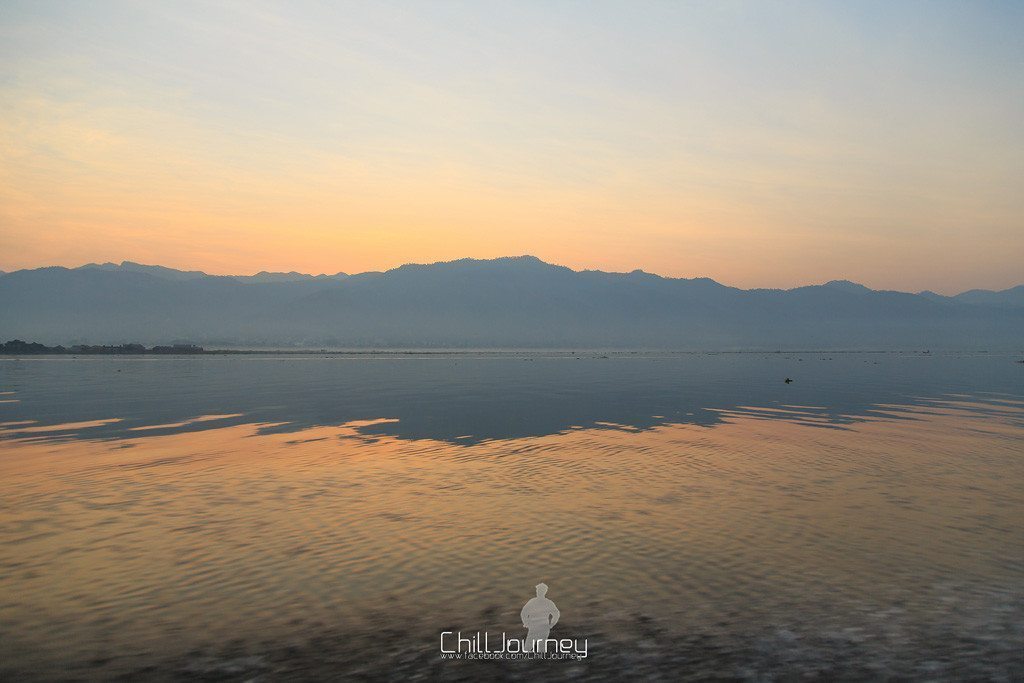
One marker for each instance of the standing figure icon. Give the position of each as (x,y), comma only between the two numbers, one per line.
(538,616)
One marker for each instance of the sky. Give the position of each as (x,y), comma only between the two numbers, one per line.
(761,144)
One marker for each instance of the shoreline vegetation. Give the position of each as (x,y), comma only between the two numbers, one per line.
(18,347)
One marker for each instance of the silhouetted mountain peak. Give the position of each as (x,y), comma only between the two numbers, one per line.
(525,258)
(501,264)
(847,286)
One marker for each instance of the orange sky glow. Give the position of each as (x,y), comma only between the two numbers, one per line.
(819,144)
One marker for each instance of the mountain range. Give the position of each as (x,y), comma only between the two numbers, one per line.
(511,302)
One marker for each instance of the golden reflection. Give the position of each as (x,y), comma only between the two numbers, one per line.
(185,423)
(217,531)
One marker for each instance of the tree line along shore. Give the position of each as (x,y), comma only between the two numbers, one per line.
(19,347)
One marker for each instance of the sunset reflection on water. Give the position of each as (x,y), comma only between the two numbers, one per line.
(129,549)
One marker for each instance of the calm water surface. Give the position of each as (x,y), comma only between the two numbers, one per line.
(244,515)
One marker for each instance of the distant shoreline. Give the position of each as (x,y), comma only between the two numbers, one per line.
(19,349)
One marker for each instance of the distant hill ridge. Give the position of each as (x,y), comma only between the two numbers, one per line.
(172,274)
(1014,295)
(505,302)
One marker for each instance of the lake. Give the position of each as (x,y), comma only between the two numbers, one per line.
(320,516)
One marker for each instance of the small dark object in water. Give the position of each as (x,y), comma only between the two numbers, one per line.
(788,381)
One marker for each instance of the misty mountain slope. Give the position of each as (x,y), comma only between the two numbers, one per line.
(507,302)
(523,301)
(102,305)
(1008,297)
